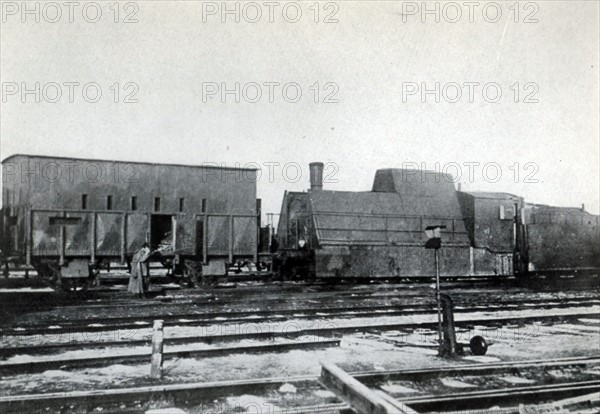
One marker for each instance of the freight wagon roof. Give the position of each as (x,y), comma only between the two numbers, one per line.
(125,162)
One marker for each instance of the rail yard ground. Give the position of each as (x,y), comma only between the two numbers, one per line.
(257,346)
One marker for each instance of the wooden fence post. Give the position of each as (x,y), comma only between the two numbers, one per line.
(157,350)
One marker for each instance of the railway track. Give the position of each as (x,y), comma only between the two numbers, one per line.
(480,386)
(481,399)
(267,295)
(236,292)
(144,357)
(269,291)
(214,301)
(197,311)
(431,386)
(267,333)
(261,316)
(17,307)
(318,340)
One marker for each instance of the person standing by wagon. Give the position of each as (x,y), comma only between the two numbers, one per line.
(137,284)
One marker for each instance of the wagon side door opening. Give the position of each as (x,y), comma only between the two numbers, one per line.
(161,231)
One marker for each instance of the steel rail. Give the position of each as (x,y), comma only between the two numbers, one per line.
(208,318)
(487,398)
(190,392)
(218,305)
(330,331)
(372,377)
(10,368)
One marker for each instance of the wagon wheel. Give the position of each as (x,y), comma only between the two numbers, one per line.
(51,272)
(69,285)
(74,285)
(192,272)
(213,281)
(94,275)
(41,270)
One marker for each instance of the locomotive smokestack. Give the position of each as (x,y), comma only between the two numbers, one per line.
(316,176)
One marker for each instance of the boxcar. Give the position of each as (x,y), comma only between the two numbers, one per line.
(67,217)
(561,241)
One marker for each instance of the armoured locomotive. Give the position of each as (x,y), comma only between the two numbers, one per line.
(381,233)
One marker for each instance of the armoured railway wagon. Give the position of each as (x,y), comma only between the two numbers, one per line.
(381,233)
(68,217)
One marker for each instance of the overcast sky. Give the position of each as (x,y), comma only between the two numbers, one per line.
(363,59)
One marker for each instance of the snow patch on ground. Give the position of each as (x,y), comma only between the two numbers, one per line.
(78,354)
(245,402)
(482,359)
(452,383)
(55,373)
(170,410)
(517,380)
(324,394)
(287,389)
(592,321)
(169,285)
(26,289)
(397,389)
(118,369)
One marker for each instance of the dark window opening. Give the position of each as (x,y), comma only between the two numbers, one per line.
(84,201)
(109,203)
(156,203)
(204,205)
(134,203)
(181,204)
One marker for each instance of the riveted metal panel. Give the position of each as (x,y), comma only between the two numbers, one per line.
(218,235)
(108,234)
(137,227)
(244,235)
(185,234)
(77,236)
(45,237)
